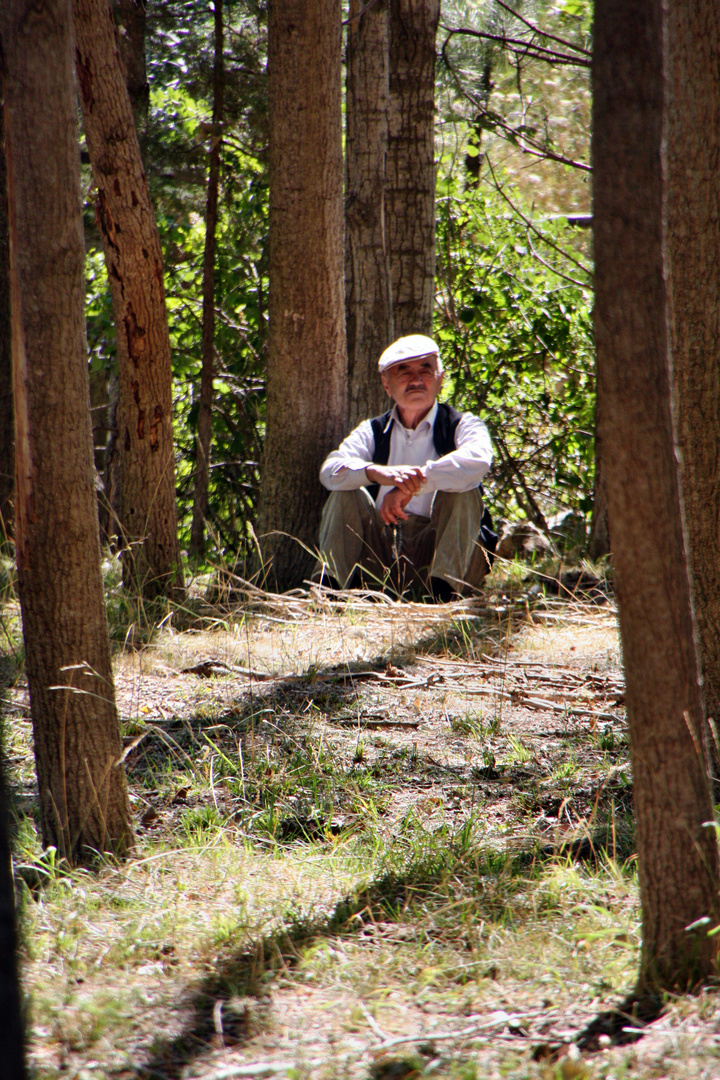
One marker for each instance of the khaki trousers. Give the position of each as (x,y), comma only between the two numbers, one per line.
(445,545)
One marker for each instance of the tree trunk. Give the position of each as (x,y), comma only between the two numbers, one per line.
(204,436)
(677,853)
(83,798)
(7,437)
(410,191)
(693,227)
(473,162)
(131,18)
(148,517)
(307,353)
(368,295)
(12,1061)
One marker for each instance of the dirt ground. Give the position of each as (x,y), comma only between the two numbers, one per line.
(332,803)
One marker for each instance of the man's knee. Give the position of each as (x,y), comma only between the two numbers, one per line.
(346,506)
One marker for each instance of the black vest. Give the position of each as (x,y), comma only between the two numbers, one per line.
(446,422)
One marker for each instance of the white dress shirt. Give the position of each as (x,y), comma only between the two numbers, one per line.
(461,470)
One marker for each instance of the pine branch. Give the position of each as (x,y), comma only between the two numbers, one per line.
(542,33)
(521,47)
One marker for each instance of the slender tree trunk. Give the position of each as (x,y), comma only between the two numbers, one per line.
(204,435)
(83,798)
(410,191)
(368,294)
(677,852)
(100,417)
(473,162)
(693,231)
(7,437)
(148,518)
(131,17)
(307,352)
(12,1057)
(599,541)
(112,477)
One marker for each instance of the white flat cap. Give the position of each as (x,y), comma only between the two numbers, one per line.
(408,348)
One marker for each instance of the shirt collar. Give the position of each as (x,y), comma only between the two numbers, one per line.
(429,419)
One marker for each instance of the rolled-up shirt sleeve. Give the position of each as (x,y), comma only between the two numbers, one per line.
(465,466)
(344,469)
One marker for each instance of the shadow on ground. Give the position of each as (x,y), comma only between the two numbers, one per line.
(233,1004)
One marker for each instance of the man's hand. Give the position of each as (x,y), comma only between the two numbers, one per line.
(392,508)
(406,478)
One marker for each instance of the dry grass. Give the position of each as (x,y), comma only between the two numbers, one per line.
(351,875)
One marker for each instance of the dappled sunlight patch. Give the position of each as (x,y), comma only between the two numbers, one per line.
(588,637)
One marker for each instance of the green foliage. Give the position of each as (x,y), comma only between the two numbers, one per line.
(175,143)
(180,65)
(240,303)
(517,344)
(515,333)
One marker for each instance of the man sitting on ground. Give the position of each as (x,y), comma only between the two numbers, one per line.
(406,506)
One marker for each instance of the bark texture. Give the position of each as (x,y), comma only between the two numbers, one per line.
(83,798)
(204,435)
(677,855)
(148,516)
(307,352)
(7,438)
(12,1061)
(693,248)
(368,293)
(131,18)
(410,197)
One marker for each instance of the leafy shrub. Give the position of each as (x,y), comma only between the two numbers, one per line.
(516,339)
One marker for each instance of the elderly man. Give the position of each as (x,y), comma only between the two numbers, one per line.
(406,505)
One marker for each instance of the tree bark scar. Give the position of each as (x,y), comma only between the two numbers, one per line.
(105,219)
(85,79)
(135,335)
(115,273)
(135,385)
(134,201)
(157,420)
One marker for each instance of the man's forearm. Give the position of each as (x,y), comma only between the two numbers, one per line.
(406,478)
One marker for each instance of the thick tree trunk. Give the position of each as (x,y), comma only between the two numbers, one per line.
(204,435)
(148,517)
(7,437)
(677,852)
(410,191)
(83,798)
(307,353)
(131,17)
(12,1056)
(693,231)
(368,294)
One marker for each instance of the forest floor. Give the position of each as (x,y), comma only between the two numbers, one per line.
(374,840)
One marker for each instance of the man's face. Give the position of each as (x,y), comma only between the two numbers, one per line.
(413,384)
